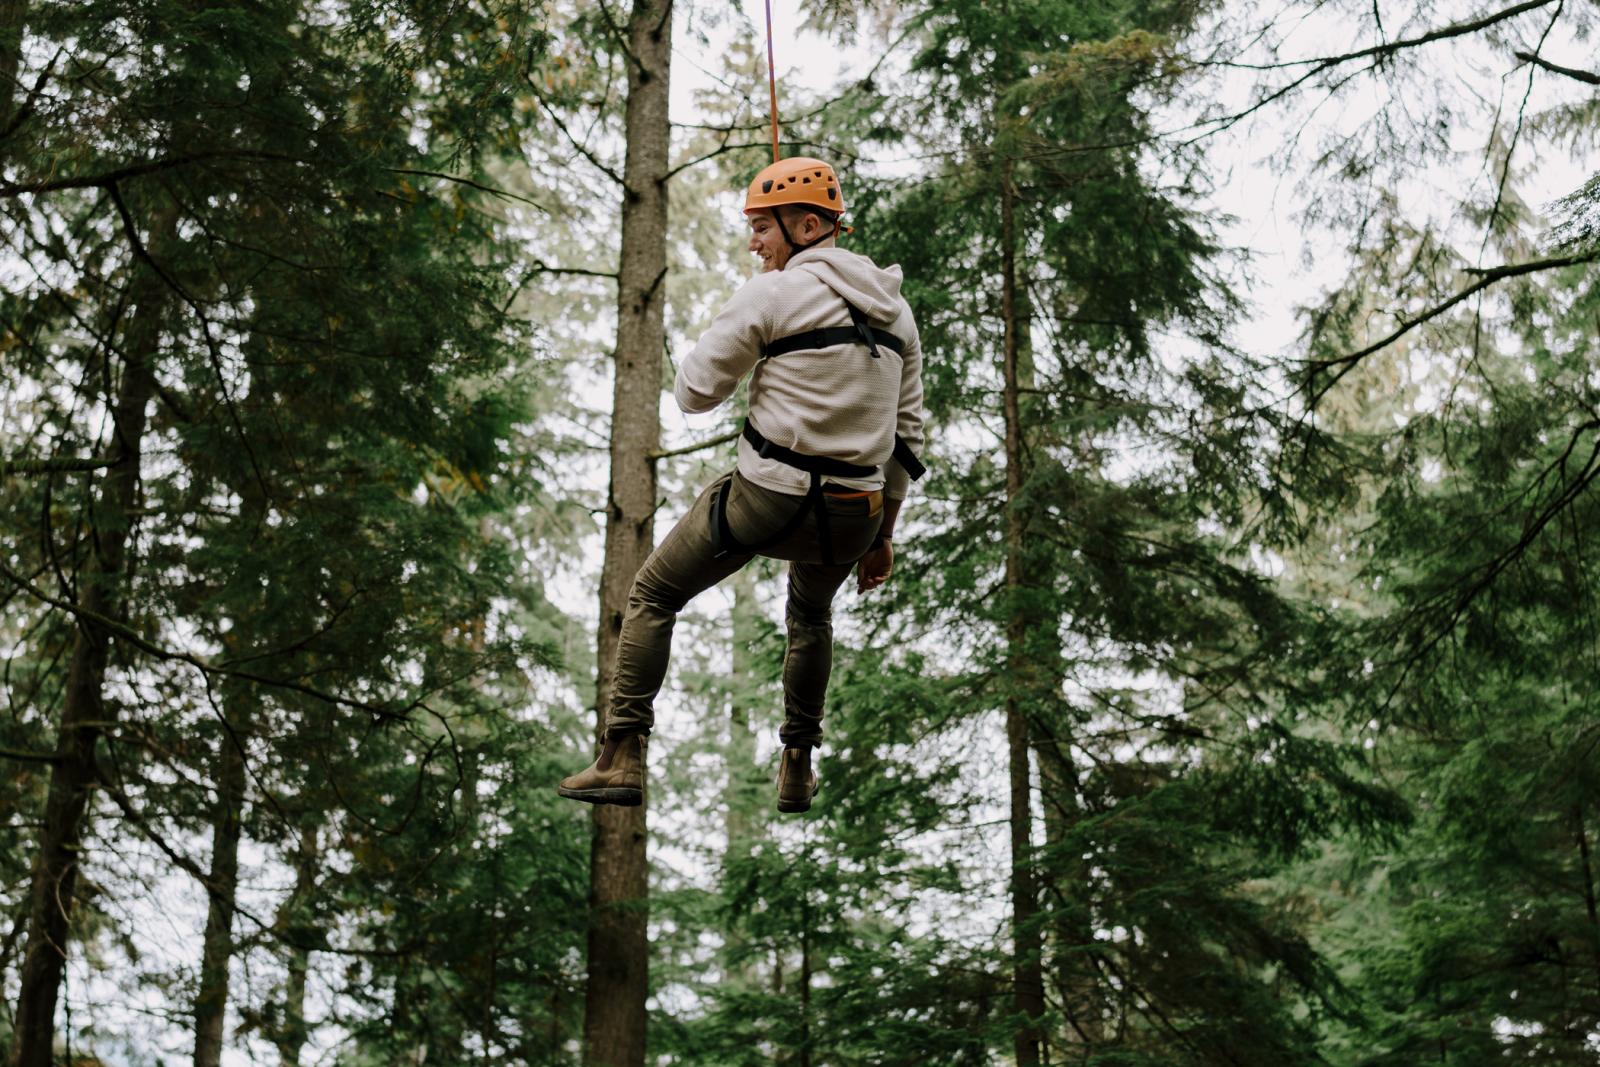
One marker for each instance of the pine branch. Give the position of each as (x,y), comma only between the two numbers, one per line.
(215,356)
(24,756)
(53,466)
(184,863)
(145,645)
(1486,574)
(1487,277)
(134,170)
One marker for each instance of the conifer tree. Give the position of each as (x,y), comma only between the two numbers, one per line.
(1053,263)
(242,299)
(614,1016)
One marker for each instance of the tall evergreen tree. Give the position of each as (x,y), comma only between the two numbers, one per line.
(614,1018)
(241,298)
(1128,642)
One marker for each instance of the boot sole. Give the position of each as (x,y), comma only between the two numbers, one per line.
(628,798)
(795,807)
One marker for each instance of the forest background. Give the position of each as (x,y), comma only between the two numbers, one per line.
(1234,701)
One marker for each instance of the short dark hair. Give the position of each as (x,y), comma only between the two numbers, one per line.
(829,218)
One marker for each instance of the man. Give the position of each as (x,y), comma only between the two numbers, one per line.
(826,454)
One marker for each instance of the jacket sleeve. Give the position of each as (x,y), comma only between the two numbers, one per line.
(727,350)
(908,419)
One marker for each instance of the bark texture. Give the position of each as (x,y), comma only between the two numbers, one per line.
(1027,946)
(1072,929)
(211,1003)
(85,715)
(291,1034)
(13,17)
(741,822)
(619,948)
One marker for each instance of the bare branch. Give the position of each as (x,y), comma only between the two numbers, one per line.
(686,449)
(1555,68)
(541,267)
(1454,29)
(25,112)
(714,153)
(577,145)
(24,756)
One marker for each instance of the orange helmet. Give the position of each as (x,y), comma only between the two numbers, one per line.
(799,180)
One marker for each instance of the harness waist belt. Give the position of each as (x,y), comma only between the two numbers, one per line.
(813,465)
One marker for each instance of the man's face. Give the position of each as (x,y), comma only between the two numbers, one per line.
(766,241)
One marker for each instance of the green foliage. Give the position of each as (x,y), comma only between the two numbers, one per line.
(337,387)
(1305,646)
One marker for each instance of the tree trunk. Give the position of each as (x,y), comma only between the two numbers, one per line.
(13,19)
(1581,834)
(1072,928)
(614,1017)
(1028,975)
(805,982)
(84,715)
(741,821)
(211,1004)
(291,1034)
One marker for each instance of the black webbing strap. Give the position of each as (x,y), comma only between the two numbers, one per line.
(859,332)
(864,330)
(813,465)
(722,539)
(830,337)
(908,459)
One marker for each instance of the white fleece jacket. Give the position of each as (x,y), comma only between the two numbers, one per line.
(839,402)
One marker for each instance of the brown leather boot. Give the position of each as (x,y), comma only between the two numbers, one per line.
(797,782)
(617,777)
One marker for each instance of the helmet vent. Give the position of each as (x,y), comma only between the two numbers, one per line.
(832,192)
(766,186)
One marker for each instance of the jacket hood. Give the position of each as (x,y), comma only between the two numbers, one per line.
(873,289)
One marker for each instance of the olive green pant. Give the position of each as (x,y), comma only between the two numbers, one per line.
(686,563)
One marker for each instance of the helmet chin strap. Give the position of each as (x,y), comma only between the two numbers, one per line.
(777,216)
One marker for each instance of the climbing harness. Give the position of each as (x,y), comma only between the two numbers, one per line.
(814,502)
(811,182)
(862,332)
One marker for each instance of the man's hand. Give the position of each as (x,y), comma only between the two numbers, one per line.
(874,568)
